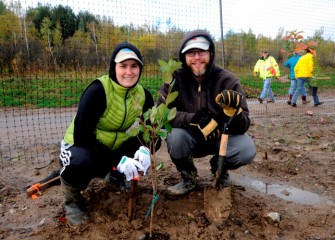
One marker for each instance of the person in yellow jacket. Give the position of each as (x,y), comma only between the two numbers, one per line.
(267,68)
(304,72)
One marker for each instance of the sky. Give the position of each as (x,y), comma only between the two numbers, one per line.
(262,17)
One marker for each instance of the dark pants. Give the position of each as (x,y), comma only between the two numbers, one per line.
(81,165)
(240,149)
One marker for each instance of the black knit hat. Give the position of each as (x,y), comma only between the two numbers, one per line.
(117,48)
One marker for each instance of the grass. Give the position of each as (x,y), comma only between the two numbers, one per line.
(64,92)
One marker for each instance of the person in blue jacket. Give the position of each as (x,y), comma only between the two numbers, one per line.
(290,64)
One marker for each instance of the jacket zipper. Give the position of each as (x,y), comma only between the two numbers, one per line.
(199,96)
(124,118)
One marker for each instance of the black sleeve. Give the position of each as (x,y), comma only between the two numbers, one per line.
(91,107)
(149,101)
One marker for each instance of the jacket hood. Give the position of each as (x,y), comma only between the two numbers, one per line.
(198,33)
(112,65)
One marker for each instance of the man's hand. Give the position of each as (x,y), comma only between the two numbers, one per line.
(255,74)
(129,167)
(230,101)
(143,156)
(204,127)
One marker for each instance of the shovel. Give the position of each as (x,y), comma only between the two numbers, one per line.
(218,201)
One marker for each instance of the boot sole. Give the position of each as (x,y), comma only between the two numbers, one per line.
(179,196)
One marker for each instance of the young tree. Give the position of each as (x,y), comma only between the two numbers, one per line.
(155,124)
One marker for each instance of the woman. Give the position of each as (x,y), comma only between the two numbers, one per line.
(303,71)
(290,64)
(97,138)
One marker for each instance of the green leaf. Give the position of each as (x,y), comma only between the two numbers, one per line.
(164,65)
(162,134)
(172,114)
(160,166)
(168,127)
(140,127)
(133,132)
(167,68)
(171,97)
(146,137)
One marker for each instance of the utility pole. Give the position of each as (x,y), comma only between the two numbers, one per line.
(221,25)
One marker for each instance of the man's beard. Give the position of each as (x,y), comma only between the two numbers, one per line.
(199,72)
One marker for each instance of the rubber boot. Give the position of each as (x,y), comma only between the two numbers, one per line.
(304,101)
(226,180)
(75,208)
(290,99)
(189,178)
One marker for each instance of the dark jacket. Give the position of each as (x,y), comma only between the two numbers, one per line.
(196,96)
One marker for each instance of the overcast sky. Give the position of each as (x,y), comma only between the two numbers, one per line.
(263,17)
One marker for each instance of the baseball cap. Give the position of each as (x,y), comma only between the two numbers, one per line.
(197,42)
(125,54)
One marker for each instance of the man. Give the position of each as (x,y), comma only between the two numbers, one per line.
(197,127)
(267,67)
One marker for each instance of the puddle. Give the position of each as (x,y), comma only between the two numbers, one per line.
(287,193)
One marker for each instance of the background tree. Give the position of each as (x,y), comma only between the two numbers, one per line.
(2,7)
(36,15)
(84,19)
(67,19)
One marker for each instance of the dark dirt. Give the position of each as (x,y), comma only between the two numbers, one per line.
(294,150)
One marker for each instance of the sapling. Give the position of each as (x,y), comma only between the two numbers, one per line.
(154,124)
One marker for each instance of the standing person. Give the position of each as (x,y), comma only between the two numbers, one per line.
(267,68)
(290,64)
(199,119)
(97,140)
(303,71)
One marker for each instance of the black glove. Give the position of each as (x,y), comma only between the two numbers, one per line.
(204,127)
(230,101)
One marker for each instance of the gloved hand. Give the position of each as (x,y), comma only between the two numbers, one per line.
(143,156)
(204,127)
(129,167)
(230,101)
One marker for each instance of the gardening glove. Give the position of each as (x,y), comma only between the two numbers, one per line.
(143,156)
(230,101)
(204,127)
(129,167)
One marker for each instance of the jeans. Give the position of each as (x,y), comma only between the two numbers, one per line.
(240,150)
(293,86)
(300,89)
(314,93)
(316,99)
(267,91)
